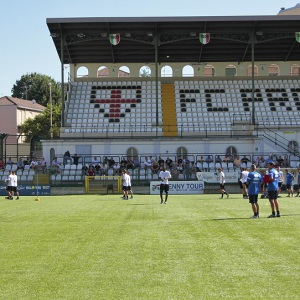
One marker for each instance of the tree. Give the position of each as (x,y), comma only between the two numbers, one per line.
(39,127)
(36,86)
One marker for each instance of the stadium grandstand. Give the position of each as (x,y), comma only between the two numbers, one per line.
(183,88)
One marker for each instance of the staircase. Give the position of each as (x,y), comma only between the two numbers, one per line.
(169,111)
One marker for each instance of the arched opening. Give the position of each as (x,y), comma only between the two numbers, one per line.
(209,71)
(231,152)
(102,72)
(166,71)
(188,71)
(181,152)
(82,72)
(230,70)
(273,70)
(249,70)
(145,71)
(124,71)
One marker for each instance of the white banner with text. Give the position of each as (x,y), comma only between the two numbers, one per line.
(179,187)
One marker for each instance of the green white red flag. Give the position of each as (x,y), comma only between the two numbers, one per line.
(204,38)
(114,39)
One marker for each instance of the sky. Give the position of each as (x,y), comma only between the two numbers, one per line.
(27,47)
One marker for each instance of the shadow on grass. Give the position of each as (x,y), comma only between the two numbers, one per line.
(249,218)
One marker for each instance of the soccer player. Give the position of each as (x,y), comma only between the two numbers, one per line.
(164,175)
(14,188)
(243,178)
(9,185)
(289,177)
(254,180)
(280,180)
(126,182)
(298,182)
(222,183)
(273,190)
(129,185)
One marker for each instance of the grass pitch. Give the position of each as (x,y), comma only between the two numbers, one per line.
(102,247)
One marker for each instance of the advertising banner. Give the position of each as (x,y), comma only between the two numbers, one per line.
(179,187)
(29,190)
(212,177)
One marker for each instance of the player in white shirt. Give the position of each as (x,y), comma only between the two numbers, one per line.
(126,184)
(164,175)
(9,185)
(129,185)
(15,185)
(222,183)
(243,179)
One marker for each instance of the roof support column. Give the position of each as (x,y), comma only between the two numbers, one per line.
(156,76)
(62,82)
(252,38)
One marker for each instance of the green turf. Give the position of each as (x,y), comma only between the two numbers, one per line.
(102,247)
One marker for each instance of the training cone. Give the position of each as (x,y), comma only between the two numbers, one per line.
(37,199)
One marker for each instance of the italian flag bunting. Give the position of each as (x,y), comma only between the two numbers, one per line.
(204,38)
(114,39)
(297,36)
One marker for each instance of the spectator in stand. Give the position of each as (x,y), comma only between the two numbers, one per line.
(43,165)
(155,167)
(136,163)
(116,168)
(91,171)
(280,161)
(67,157)
(268,160)
(218,159)
(256,161)
(199,164)
(208,159)
(10,161)
(245,160)
(147,162)
(34,164)
(169,162)
(180,168)
(226,160)
(130,164)
(179,160)
(76,159)
(193,168)
(95,161)
(85,169)
(20,164)
(286,161)
(111,162)
(237,162)
(123,163)
(98,169)
(262,162)
(55,166)
(161,162)
(188,171)
(26,161)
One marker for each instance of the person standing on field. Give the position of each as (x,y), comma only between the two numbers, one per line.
(273,190)
(126,184)
(222,183)
(15,185)
(254,180)
(289,177)
(164,176)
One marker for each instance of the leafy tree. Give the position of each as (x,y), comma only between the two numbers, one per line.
(39,127)
(36,86)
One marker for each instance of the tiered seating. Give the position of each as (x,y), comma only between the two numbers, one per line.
(68,173)
(113,107)
(25,176)
(216,105)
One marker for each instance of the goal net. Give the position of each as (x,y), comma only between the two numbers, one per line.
(103,184)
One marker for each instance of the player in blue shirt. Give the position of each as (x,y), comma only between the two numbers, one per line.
(289,177)
(254,180)
(273,190)
(298,182)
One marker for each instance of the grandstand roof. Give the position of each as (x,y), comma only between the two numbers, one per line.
(86,40)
